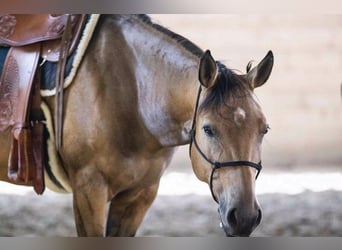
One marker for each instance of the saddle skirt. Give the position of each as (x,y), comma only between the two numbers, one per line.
(26,40)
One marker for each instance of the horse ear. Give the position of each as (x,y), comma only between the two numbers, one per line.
(207,70)
(260,73)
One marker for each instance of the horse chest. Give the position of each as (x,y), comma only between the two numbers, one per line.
(142,171)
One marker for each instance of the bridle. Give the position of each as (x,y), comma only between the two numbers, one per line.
(215,164)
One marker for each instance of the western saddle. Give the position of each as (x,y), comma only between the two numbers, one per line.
(32,40)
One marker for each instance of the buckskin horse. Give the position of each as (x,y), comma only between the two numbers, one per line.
(140,91)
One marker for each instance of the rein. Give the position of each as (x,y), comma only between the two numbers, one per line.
(215,164)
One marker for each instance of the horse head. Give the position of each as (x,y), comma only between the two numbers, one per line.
(227,133)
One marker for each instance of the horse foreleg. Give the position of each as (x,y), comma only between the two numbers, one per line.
(126,215)
(90,204)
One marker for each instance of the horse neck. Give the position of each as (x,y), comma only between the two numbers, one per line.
(166,78)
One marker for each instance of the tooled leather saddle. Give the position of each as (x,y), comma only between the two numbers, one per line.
(33,39)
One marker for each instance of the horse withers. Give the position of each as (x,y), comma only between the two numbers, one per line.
(135,97)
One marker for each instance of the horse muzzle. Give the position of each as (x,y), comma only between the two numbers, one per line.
(239,221)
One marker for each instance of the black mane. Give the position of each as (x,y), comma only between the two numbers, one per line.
(190,46)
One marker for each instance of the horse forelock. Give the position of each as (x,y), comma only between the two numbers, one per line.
(229,86)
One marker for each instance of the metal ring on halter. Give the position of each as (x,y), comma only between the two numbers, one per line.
(216,165)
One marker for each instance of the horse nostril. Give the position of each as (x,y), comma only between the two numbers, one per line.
(232,217)
(258,220)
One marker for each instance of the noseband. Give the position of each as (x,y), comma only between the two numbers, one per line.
(216,165)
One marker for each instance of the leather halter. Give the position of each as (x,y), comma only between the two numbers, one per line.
(215,164)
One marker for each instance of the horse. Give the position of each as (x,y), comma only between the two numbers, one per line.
(140,91)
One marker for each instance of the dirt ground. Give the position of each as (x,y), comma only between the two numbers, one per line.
(305,214)
(301,102)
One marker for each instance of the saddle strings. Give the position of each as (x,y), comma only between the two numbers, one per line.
(65,44)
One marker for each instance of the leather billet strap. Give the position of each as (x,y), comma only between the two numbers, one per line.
(37,123)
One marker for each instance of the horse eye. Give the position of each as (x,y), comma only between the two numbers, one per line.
(266,130)
(208,131)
